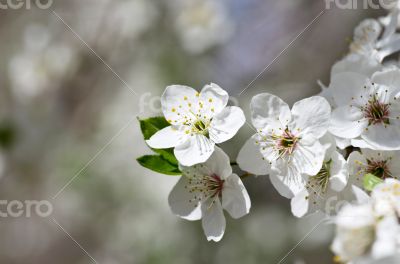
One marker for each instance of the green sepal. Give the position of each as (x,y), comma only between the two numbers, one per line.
(370,181)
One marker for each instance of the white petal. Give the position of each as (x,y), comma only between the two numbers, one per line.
(356,162)
(286,186)
(387,231)
(219,164)
(181,201)
(339,172)
(213,97)
(308,157)
(361,143)
(360,195)
(311,116)
(197,149)
(213,221)
(300,204)
(226,124)
(268,110)
(251,160)
(389,77)
(235,199)
(365,65)
(168,137)
(342,143)
(347,85)
(329,144)
(327,94)
(347,122)
(177,102)
(383,137)
(356,216)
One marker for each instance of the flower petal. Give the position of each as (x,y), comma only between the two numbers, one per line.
(168,137)
(286,186)
(361,197)
(178,102)
(311,116)
(386,240)
(346,86)
(213,98)
(389,77)
(300,204)
(339,172)
(269,111)
(235,199)
(383,137)
(213,221)
(308,156)
(182,203)
(226,124)
(365,65)
(219,164)
(356,163)
(360,143)
(251,160)
(347,122)
(342,143)
(197,149)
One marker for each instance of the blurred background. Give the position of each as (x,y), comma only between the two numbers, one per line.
(74,78)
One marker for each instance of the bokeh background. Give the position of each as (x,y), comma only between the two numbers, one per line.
(73,80)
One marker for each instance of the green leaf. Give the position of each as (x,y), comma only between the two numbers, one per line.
(159,164)
(167,154)
(370,181)
(152,125)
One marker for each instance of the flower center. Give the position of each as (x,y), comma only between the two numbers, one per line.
(322,178)
(203,188)
(201,127)
(378,168)
(285,143)
(376,112)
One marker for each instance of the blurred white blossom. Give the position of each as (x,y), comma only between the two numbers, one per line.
(201,24)
(41,63)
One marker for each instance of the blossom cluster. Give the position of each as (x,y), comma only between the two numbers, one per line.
(337,153)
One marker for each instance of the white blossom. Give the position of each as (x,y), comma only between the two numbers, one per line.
(325,191)
(368,110)
(198,121)
(382,164)
(386,197)
(369,232)
(202,24)
(288,140)
(354,232)
(40,64)
(204,190)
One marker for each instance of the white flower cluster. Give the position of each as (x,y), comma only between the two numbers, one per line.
(369,232)
(198,122)
(319,153)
